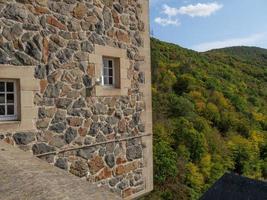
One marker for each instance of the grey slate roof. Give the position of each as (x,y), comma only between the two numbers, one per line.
(233,187)
(24,177)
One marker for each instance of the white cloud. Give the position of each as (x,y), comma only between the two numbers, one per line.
(200,9)
(170,11)
(196,10)
(245,41)
(167,21)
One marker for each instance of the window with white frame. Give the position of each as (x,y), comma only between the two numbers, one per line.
(108,72)
(8,100)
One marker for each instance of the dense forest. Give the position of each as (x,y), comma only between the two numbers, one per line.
(210,117)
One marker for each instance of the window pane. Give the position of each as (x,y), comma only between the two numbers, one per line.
(106,80)
(2,86)
(110,80)
(2,98)
(10,98)
(10,86)
(105,62)
(110,72)
(105,71)
(10,110)
(110,63)
(2,110)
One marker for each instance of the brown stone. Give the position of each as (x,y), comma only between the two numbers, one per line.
(127,192)
(82,131)
(122,36)
(79,168)
(91,69)
(43,84)
(122,126)
(96,164)
(119,170)
(40,10)
(120,161)
(45,50)
(124,169)
(75,121)
(87,123)
(9,140)
(79,11)
(116,18)
(104,174)
(92,19)
(54,22)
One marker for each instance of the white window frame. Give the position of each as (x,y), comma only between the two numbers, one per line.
(15,115)
(108,59)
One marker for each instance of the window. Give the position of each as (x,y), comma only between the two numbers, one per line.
(108,72)
(8,100)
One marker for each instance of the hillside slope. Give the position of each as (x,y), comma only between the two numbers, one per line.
(210,116)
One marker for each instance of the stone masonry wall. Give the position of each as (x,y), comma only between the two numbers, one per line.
(57,36)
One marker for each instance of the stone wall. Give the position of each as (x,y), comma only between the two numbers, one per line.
(97,138)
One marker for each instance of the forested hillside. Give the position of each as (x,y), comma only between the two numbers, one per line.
(210,116)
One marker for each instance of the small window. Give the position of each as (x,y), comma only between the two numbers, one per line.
(108,72)
(8,100)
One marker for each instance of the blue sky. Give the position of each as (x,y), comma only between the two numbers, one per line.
(206,24)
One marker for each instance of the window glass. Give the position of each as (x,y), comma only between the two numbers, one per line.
(8,103)
(2,110)
(108,71)
(10,98)
(2,98)
(10,109)
(2,86)
(10,87)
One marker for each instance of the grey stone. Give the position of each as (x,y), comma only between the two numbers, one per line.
(110,160)
(60,116)
(94,128)
(112,120)
(107,129)
(141,77)
(62,163)
(15,12)
(123,184)
(118,7)
(37,39)
(134,152)
(80,103)
(112,182)
(52,91)
(88,140)
(30,27)
(87,46)
(3,57)
(86,153)
(100,138)
(128,111)
(100,108)
(63,103)
(107,16)
(73,44)
(87,81)
(25,59)
(70,135)
(58,127)
(57,141)
(97,39)
(40,72)
(74,25)
(41,148)
(24,138)
(64,55)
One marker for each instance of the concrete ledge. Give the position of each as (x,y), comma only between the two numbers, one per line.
(25,177)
